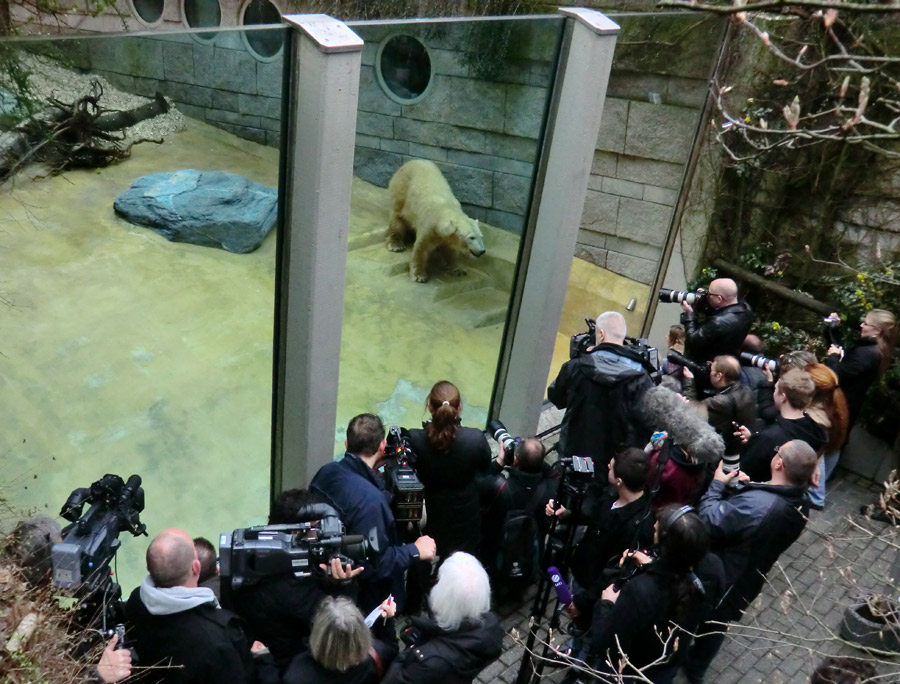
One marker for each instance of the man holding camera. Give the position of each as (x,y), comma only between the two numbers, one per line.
(355,488)
(521,486)
(750,526)
(723,330)
(601,391)
(279,608)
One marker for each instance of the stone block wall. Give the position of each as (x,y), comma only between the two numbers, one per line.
(481,129)
(217,80)
(656,91)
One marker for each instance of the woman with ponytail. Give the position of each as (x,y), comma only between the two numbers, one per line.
(449,459)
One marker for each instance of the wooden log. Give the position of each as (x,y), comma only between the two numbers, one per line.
(776,289)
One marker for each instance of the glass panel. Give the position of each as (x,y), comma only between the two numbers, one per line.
(124,352)
(479,118)
(650,117)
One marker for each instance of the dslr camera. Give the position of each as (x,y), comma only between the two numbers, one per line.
(501,436)
(400,478)
(81,560)
(248,556)
(699,370)
(677,297)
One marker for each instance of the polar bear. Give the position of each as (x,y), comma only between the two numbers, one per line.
(425,214)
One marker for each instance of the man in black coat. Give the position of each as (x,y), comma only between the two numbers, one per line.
(793,394)
(723,330)
(279,609)
(601,391)
(750,526)
(171,621)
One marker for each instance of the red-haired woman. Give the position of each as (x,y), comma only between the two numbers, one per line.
(450,458)
(828,409)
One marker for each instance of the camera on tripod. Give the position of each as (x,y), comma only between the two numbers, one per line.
(81,560)
(677,297)
(501,436)
(759,361)
(248,556)
(400,478)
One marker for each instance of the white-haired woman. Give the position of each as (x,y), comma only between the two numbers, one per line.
(461,637)
(342,650)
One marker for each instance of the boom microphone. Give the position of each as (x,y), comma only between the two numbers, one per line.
(563,593)
(667,410)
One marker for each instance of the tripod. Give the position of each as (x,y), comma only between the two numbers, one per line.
(560,548)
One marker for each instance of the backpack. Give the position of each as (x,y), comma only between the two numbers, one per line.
(519,550)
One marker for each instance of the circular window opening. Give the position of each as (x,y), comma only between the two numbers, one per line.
(265,44)
(148,11)
(202,13)
(404,68)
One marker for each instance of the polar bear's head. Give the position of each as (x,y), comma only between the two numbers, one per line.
(465,230)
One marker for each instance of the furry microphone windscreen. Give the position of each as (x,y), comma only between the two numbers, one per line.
(668,411)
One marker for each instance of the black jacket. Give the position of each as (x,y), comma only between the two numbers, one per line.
(507,489)
(722,332)
(440,657)
(733,404)
(610,531)
(756,458)
(750,527)
(279,611)
(451,489)
(856,372)
(645,607)
(304,669)
(601,392)
(205,645)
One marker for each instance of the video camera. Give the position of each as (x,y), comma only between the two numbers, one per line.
(400,478)
(581,342)
(501,436)
(677,297)
(759,361)
(81,560)
(249,555)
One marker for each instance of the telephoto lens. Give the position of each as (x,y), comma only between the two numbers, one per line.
(677,296)
(759,361)
(499,433)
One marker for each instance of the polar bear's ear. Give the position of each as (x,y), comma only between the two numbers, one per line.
(476,227)
(446,228)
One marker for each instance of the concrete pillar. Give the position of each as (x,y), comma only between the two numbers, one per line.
(560,189)
(317,169)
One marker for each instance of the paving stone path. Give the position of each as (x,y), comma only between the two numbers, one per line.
(795,620)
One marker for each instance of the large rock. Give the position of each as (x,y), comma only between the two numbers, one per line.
(209,208)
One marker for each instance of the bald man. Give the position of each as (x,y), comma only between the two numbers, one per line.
(172,621)
(601,391)
(722,332)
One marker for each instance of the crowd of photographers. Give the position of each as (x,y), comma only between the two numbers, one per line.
(675,490)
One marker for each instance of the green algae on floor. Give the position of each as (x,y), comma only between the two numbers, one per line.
(125,353)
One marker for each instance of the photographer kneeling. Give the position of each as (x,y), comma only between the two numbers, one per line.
(661,604)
